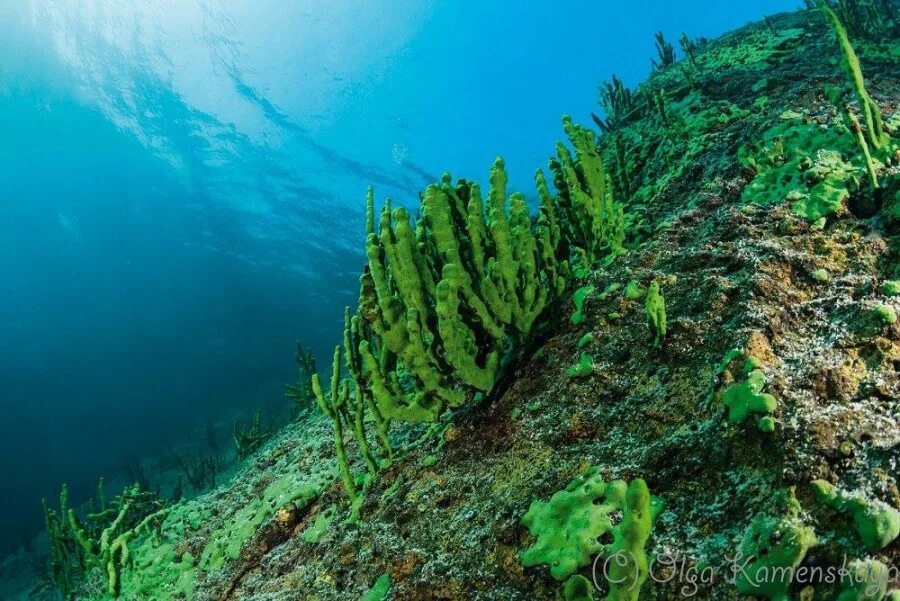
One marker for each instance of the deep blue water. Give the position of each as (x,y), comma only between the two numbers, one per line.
(181,188)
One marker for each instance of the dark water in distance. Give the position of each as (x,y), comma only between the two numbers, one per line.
(181,189)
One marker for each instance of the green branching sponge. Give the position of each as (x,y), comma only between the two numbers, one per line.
(655,306)
(449,298)
(578,299)
(747,398)
(247,439)
(335,407)
(877,523)
(770,551)
(101,542)
(568,527)
(584,180)
(871,112)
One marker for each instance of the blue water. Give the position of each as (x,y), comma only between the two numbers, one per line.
(181,189)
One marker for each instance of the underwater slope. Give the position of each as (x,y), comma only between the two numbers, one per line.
(759,408)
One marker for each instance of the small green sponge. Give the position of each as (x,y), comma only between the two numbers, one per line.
(877,523)
(379,590)
(655,307)
(886,314)
(578,298)
(770,551)
(746,398)
(583,368)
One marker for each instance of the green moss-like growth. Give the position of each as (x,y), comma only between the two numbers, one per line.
(578,299)
(585,340)
(379,590)
(578,588)
(770,551)
(886,314)
(583,368)
(655,307)
(746,398)
(891,288)
(877,523)
(569,526)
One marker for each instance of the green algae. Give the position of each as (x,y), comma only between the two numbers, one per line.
(891,288)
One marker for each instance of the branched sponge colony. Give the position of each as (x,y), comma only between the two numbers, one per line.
(446,299)
(770,551)
(569,527)
(101,542)
(877,523)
